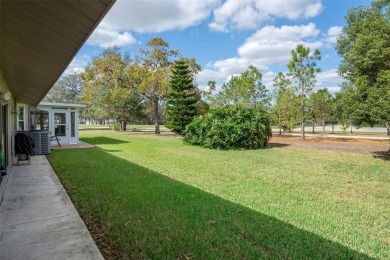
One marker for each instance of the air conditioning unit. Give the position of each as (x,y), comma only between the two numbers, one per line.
(42,141)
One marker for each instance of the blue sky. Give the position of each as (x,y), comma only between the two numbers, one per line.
(227,36)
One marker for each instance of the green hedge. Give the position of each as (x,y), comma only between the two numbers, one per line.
(230,128)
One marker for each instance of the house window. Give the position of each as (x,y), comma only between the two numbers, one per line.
(21,117)
(60,123)
(39,120)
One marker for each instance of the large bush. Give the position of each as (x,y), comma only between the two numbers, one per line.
(230,128)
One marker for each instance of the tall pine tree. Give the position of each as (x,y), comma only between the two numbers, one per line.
(182,99)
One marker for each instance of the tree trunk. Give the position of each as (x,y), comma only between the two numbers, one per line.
(333,127)
(280,126)
(323,126)
(123,125)
(313,127)
(350,123)
(303,122)
(388,128)
(156,117)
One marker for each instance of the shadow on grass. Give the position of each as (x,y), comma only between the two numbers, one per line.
(149,131)
(134,212)
(384,155)
(95,128)
(277,145)
(102,140)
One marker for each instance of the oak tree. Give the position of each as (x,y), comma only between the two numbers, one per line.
(152,74)
(68,89)
(108,90)
(365,51)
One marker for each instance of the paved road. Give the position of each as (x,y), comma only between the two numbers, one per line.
(380,131)
(338,128)
(368,137)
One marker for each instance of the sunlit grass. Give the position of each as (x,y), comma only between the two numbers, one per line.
(159,198)
(130,127)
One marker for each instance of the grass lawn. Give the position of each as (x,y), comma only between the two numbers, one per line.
(129,127)
(275,129)
(148,196)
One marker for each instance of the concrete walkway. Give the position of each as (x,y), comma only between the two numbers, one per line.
(37,218)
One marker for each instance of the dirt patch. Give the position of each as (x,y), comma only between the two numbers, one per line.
(378,148)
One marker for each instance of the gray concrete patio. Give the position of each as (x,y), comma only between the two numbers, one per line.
(37,218)
(81,145)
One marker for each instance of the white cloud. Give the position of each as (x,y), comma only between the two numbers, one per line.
(272,45)
(268,46)
(268,79)
(222,70)
(333,33)
(329,78)
(206,75)
(148,16)
(237,15)
(292,10)
(334,90)
(234,65)
(157,16)
(105,37)
(217,27)
(249,14)
(77,65)
(204,87)
(285,33)
(248,18)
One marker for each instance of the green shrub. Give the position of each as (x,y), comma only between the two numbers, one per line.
(230,128)
(115,126)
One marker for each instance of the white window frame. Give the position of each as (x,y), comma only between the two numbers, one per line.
(24,120)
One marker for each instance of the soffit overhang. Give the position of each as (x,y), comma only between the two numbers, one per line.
(39,39)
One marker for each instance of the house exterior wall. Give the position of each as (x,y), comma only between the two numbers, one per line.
(7,132)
